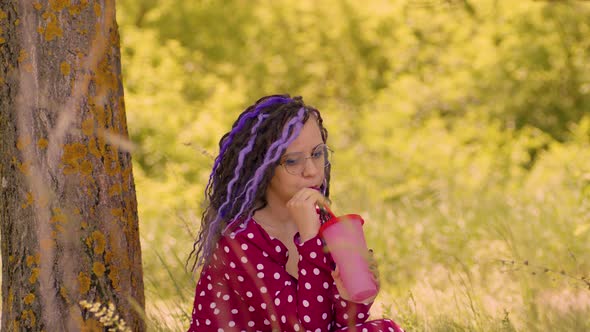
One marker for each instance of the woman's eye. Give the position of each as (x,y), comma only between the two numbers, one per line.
(318,154)
(291,162)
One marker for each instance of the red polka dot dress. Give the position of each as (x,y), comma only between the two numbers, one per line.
(246,287)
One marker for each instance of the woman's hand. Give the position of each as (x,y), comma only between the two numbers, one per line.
(302,207)
(374,271)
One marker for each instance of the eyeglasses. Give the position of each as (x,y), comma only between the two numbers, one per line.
(294,163)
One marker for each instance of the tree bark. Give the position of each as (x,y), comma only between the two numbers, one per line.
(68,211)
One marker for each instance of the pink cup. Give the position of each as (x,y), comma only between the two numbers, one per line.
(346,242)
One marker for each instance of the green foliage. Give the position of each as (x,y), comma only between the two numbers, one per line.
(460,129)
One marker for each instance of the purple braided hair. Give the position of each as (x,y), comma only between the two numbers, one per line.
(241,157)
(216,223)
(290,132)
(239,126)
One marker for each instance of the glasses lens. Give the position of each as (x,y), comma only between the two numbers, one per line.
(321,155)
(295,162)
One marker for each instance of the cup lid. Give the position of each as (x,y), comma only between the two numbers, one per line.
(335,220)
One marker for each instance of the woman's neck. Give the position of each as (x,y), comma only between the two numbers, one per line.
(276,220)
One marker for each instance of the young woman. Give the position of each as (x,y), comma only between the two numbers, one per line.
(264,264)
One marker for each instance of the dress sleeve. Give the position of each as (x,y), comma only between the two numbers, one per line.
(270,298)
(347,313)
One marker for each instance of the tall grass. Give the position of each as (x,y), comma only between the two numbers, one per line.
(491,266)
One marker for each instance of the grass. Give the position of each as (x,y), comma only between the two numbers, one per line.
(484,265)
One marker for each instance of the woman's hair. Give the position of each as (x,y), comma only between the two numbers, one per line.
(248,156)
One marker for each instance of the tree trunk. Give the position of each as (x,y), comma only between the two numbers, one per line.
(68,212)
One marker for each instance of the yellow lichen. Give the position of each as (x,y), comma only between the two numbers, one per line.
(114,277)
(63,292)
(29,298)
(58,5)
(107,258)
(93,148)
(83,283)
(22,56)
(22,142)
(86,167)
(75,9)
(53,30)
(10,259)
(27,203)
(42,143)
(65,68)
(99,242)
(37,5)
(58,217)
(98,269)
(58,229)
(97,9)
(88,126)
(106,77)
(30,260)
(71,157)
(117,212)
(24,168)
(34,275)
(115,189)
(112,164)
(28,316)
(74,151)
(3,14)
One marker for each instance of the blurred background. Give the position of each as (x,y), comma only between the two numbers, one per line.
(461,132)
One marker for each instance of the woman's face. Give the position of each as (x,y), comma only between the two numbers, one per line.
(283,184)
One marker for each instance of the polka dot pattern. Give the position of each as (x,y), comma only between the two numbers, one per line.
(246,287)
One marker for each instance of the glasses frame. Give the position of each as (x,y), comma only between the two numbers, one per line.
(327,162)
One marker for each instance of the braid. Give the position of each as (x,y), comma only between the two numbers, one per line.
(242,171)
(273,154)
(239,125)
